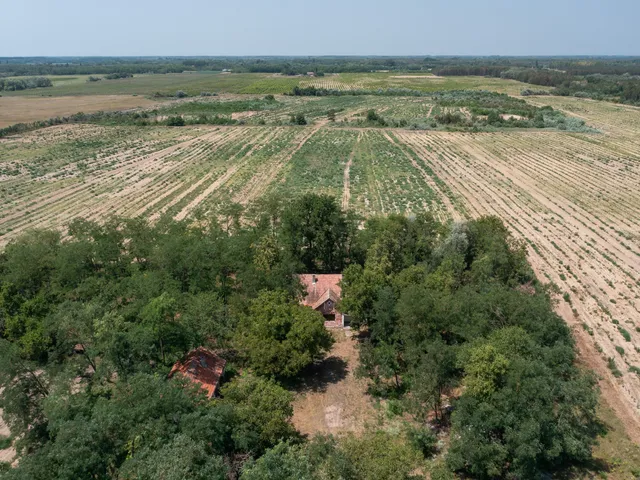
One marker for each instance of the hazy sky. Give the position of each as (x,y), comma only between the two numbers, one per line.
(319,27)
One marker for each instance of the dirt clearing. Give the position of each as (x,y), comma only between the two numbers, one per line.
(332,399)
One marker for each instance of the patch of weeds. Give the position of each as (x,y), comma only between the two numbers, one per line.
(587,328)
(611,363)
(625,334)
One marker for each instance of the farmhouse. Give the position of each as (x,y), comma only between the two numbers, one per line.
(323,293)
(201,366)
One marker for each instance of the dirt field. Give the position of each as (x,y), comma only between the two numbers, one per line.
(30,109)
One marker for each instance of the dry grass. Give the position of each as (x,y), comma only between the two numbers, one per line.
(30,109)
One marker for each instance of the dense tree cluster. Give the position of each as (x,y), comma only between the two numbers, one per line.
(460,308)
(90,325)
(14,84)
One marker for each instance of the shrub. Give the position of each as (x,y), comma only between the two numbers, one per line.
(450,119)
(181,94)
(298,119)
(117,76)
(527,91)
(270,98)
(620,350)
(422,439)
(176,121)
(611,363)
(207,94)
(625,334)
(94,79)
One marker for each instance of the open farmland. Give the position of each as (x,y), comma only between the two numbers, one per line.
(30,109)
(259,83)
(572,197)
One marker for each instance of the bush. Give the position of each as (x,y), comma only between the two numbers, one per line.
(625,334)
(118,76)
(422,439)
(611,363)
(270,98)
(207,94)
(176,121)
(527,91)
(298,119)
(181,94)
(94,79)
(450,119)
(12,85)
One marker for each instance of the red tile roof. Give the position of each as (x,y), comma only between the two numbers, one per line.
(325,286)
(201,366)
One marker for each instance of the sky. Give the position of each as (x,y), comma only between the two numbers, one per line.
(319,27)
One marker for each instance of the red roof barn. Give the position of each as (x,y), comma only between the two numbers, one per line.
(201,366)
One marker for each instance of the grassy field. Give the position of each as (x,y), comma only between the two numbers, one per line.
(572,197)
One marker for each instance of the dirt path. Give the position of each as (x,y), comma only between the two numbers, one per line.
(8,454)
(346,194)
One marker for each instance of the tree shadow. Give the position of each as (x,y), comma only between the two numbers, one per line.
(319,375)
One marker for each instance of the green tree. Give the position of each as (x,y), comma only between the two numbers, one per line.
(280,337)
(262,410)
(317,233)
(181,458)
(159,315)
(484,370)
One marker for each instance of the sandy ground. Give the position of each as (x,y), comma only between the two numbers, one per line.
(333,400)
(30,109)
(8,454)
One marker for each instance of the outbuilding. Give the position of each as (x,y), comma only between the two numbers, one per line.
(203,367)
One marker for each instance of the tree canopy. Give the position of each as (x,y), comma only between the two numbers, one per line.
(455,329)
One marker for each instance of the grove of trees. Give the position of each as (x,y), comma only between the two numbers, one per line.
(454,329)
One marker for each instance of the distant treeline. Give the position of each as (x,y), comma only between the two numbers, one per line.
(624,88)
(13,84)
(490,66)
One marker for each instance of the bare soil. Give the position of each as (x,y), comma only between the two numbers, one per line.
(331,399)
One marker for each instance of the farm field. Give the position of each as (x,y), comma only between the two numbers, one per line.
(572,197)
(30,109)
(260,83)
